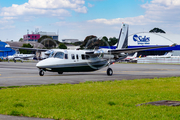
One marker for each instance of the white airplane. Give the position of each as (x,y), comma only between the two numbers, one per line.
(61,60)
(166,55)
(20,57)
(129,58)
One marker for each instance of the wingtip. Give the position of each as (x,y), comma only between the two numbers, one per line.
(173,45)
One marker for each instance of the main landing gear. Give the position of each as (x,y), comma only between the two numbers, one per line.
(41,72)
(109,72)
(60,72)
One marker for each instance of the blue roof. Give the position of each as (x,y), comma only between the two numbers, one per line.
(4,52)
(177,47)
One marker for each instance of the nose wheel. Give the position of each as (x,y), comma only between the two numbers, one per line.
(109,72)
(41,72)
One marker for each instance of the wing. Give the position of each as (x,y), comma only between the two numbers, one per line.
(31,49)
(132,50)
(124,50)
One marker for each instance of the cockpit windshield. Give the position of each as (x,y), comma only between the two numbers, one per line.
(51,53)
(59,55)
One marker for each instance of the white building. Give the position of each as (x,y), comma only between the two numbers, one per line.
(145,39)
(149,39)
(69,40)
(53,35)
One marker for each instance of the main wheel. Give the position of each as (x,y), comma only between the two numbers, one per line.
(60,72)
(109,72)
(41,72)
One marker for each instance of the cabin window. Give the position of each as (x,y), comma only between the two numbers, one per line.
(85,57)
(77,57)
(72,55)
(59,55)
(66,56)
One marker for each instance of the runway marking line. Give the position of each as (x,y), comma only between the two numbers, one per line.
(19,76)
(129,71)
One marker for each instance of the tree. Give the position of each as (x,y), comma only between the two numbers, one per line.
(21,39)
(86,40)
(95,42)
(157,30)
(113,41)
(48,41)
(26,51)
(105,39)
(78,43)
(62,46)
(43,37)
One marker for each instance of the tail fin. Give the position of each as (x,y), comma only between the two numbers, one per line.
(123,37)
(135,55)
(169,54)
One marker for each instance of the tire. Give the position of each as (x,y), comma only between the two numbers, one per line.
(109,72)
(41,73)
(60,72)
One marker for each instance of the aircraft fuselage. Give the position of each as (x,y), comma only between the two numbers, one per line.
(71,61)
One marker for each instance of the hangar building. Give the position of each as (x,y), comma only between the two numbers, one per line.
(146,39)
(4,52)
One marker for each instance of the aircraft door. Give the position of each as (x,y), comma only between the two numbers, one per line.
(77,57)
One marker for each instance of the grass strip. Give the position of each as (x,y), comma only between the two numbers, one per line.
(94,100)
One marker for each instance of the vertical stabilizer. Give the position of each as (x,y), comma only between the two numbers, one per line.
(123,37)
(135,55)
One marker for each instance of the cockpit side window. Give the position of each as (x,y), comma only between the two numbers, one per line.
(59,55)
(85,57)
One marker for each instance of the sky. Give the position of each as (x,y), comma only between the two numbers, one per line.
(76,19)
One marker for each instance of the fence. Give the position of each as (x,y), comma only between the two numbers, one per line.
(171,60)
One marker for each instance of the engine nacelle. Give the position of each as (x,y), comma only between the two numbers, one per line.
(17,58)
(107,56)
(122,54)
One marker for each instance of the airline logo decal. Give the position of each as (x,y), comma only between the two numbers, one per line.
(141,40)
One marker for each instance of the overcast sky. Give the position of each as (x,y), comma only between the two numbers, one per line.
(76,19)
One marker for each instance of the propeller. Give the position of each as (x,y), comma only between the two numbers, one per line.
(98,57)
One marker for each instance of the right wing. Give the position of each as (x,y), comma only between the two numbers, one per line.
(124,50)
(132,50)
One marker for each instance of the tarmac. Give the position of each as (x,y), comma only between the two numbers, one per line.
(20,74)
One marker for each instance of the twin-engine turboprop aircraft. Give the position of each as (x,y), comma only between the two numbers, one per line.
(61,60)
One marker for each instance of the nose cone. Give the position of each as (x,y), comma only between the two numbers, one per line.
(46,63)
(41,64)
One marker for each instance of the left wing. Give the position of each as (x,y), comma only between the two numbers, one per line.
(31,49)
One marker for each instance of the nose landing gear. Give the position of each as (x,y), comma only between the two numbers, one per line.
(41,72)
